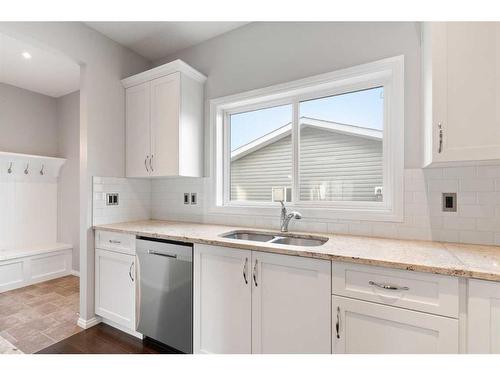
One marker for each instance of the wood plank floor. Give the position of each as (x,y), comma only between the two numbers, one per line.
(103,339)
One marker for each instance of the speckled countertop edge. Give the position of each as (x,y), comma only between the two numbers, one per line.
(461,260)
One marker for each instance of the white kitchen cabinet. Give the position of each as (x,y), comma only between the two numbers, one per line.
(291,301)
(222,300)
(461,93)
(370,328)
(254,302)
(483,320)
(164,122)
(115,287)
(138,130)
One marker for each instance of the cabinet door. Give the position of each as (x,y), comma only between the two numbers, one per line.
(483,317)
(165,112)
(115,287)
(461,91)
(222,300)
(291,299)
(369,328)
(138,135)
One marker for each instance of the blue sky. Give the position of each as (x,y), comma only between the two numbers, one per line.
(362,108)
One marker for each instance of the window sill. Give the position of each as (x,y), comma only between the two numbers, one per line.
(315,213)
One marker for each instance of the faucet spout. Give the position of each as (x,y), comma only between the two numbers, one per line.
(286,217)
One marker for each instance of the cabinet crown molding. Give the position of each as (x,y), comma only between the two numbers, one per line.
(163,70)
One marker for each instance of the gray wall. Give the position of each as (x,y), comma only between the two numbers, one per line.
(348,167)
(28,122)
(68,124)
(267,53)
(103,64)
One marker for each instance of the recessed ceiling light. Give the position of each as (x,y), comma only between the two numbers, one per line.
(26,55)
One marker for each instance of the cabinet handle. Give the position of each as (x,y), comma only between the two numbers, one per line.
(130,271)
(337,324)
(146,163)
(255,273)
(245,271)
(151,163)
(388,286)
(440,148)
(115,241)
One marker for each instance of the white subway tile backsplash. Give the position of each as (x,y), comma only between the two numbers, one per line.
(476,184)
(476,221)
(443,185)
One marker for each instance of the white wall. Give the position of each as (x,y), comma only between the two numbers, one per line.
(68,125)
(28,123)
(267,53)
(263,54)
(102,116)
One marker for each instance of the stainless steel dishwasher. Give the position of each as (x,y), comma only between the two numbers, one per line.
(164,294)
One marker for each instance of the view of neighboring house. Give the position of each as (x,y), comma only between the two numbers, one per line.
(337,162)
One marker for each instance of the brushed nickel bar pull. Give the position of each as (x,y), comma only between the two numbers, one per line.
(245,271)
(440,148)
(255,273)
(130,271)
(337,324)
(388,286)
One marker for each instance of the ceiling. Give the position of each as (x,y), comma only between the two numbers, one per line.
(45,73)
(154,40)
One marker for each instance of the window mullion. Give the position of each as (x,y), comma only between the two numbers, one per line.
(295,152)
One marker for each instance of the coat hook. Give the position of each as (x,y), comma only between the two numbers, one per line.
(41,170)
(27,167)
(10,168)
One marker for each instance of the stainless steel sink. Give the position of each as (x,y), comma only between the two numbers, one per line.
(299,241)
(247,236)
(277,238)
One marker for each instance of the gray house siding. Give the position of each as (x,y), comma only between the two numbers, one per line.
(333,166)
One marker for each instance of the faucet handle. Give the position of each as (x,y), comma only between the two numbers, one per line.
(282,204)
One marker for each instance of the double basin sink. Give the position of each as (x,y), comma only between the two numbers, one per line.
(276,238)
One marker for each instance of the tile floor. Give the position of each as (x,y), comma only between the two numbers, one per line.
(37,316)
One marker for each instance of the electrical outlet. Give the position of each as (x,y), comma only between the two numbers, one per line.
(187,198)
(449,202)
(112,199)
(194,198)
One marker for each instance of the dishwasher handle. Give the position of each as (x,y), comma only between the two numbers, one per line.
(152,252)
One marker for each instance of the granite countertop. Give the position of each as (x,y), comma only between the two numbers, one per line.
(472,261)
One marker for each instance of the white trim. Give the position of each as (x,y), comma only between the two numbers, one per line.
(388,73)
(75,273)
(164,70)
(86,324)
(122,328)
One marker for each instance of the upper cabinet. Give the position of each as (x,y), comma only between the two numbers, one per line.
(461,91)
(164,122)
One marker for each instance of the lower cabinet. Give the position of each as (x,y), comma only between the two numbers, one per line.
(222,300)
(372,328)
(483,317)
(115,287)
(254,302)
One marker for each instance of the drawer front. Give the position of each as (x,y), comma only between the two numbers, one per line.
(120,242)
(436,294)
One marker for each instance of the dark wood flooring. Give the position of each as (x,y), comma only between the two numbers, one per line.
(104,339)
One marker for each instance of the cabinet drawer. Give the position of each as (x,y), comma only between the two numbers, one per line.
(120,242)
(436,294)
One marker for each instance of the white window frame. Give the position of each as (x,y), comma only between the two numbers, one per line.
(388,73)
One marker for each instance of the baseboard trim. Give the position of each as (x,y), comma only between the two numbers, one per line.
(85,324)
(123,329)
(75,273)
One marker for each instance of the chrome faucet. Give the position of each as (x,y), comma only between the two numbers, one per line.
(286,217)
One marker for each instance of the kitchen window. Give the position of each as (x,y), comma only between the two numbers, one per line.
(331,145)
